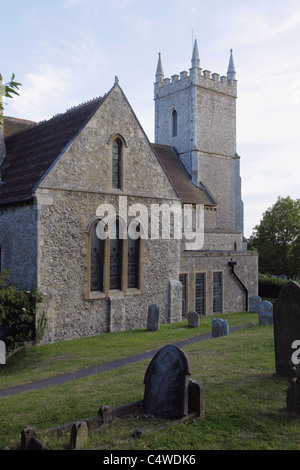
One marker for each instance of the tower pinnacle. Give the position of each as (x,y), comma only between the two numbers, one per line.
(159,71)
(231,73)
(195,58)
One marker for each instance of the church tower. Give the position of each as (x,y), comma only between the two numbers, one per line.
(195,112)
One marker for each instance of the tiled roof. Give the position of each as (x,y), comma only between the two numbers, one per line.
(13,125)
(187,191)
(30,153)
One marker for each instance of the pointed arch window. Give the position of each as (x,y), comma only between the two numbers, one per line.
(96,261)
(174,123)
(133,261)
(117,163)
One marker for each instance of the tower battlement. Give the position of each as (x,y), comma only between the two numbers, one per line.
(226,84)
(198,77)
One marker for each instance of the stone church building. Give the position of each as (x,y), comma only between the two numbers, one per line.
(59,179)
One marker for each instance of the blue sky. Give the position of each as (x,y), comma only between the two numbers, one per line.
(65,52)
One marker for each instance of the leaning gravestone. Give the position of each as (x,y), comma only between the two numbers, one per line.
(193,319)
(153,318)
(167,384)
(265,313)
(254,302)
(286,325)
(219,327)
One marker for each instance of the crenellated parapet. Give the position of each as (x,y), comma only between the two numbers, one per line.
(197,77)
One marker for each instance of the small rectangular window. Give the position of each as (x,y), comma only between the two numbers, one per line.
(200,293)
(183,280)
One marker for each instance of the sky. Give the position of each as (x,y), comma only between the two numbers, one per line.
(65,52)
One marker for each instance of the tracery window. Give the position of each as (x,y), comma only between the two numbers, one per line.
(115,262)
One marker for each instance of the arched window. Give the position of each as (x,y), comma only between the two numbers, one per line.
(133,260)
(96,261)
(174,123)
(116,163)
(114,261)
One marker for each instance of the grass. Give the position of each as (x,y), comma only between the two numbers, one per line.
(40,362)
(245,405)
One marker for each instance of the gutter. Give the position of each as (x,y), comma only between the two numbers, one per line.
(231,265)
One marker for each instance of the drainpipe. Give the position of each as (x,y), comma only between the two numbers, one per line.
(231,265)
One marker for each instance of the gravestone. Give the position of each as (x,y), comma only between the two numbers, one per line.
(2,353)
(79,435)
(167,384)
(254,302)
(153,318)
(193,319)
(293,392)
(219,327)
(265,313)
(286,318)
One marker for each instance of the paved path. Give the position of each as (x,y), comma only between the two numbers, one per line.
(98,369)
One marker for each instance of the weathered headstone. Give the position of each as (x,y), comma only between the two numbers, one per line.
(219,327)
(2,353)
(79,435)
(254,302)
(167,384)
(286,325)
(293,392)
(26,436)
(105,415)
(153,318)
(193,319)
(265,313)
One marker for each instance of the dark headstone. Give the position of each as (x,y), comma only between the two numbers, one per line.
(153,318)
(167,384)
(196,398)
(286,318)
(193,319)
(26,436)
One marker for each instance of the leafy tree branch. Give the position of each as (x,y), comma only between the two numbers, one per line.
(8,90)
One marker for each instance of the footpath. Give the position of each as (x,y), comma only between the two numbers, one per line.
(98,369)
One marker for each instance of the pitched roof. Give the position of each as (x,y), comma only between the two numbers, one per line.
(31,153)
(187,191)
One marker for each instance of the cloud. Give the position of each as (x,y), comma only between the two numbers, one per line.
(42,91)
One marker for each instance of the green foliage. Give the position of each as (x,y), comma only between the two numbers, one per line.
(269,286)
(277,239)
(8,90)
(17,313)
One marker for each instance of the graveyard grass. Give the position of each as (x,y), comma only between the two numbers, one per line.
(245,402)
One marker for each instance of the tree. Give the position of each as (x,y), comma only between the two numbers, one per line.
(277,239)
(7,90)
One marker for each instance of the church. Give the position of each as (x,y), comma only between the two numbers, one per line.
(79,194)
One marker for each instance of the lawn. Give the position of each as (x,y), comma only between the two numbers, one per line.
(245,407)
